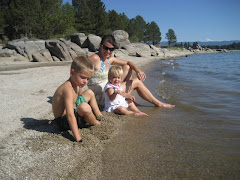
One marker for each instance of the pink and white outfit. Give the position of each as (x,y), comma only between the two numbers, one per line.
(110,106)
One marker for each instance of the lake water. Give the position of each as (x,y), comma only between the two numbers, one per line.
(206,91)
(200,137)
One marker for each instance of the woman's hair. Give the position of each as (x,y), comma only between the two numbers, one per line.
(110,39)
(82,62)
(115,71)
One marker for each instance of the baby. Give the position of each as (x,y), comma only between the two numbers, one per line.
(116,100)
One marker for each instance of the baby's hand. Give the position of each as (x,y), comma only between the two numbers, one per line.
(129,97)
(120,92)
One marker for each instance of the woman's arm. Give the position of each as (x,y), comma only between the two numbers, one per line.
(140,74)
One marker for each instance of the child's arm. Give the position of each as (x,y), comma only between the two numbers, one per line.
(129,96)
(72,121)
(112,93)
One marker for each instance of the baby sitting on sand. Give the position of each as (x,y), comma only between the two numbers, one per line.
(116,100)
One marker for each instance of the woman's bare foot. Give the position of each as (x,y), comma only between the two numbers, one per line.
(165,105)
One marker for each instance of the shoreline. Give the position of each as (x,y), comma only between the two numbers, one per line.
(33,148)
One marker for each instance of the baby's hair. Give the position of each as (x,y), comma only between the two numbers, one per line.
(82,62)
(115,71)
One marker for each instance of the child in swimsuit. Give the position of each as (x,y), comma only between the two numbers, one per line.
(116,100)
(73,108)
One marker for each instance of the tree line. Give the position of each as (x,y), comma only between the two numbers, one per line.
(194,45)
(46,19)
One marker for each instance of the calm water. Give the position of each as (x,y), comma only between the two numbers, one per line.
(204,129)
(199,138)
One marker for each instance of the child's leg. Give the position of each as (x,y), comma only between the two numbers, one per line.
(122,110)
(90,98)
(134,108)
(85,110)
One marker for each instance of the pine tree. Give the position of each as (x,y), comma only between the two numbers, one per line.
(171,37)
(21,17)
(136,29)
(115,22)
(152,33)
(91,16)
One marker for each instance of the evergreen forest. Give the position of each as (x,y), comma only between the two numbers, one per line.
(46,19)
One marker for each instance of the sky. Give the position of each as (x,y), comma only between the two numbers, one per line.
(191,20)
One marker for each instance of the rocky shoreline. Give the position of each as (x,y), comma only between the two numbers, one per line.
(29,51)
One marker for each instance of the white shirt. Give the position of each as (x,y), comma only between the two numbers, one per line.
(110,106)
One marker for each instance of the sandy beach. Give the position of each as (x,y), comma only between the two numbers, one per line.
(31,145)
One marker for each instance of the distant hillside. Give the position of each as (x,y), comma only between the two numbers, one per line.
(209,43)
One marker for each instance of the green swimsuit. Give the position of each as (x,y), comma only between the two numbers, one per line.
(80,99)
(63,122)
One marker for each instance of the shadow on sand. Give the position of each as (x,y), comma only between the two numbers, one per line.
(45,125)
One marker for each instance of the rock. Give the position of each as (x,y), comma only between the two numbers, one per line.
(138,49)
(7,52)
(19,57)
(121,38)
(199,47)
(120,52)
(156,51)
(79,39)
(73,48)
(58,49)
(42,56)
(93,42)
(26,47)
(55,58)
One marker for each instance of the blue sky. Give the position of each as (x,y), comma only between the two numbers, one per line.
(192,20)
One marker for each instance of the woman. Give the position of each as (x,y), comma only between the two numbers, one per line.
(102,62)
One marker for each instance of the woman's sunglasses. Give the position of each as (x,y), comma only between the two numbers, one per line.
(107,48)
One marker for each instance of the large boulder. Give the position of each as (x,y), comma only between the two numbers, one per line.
(156,51)
(138,49)
(7,52)
(26,47)
(79,39)
(42,56)
(73,48)
(58,49)
(121,37)
(93,42)
(120,53)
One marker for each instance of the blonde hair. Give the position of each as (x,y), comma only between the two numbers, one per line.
(82,62)
(115,71)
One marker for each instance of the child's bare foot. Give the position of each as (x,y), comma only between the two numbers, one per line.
(140,114)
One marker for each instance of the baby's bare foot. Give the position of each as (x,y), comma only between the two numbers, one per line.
(140,114)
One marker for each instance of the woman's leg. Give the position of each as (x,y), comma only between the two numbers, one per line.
(127,73)
(143,92)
